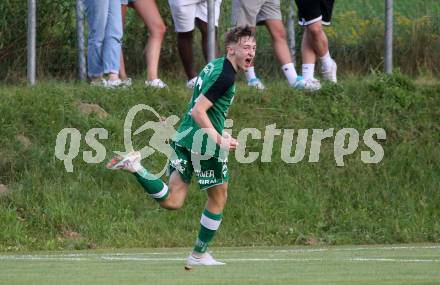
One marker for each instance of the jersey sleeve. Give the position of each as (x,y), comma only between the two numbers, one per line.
(219,87)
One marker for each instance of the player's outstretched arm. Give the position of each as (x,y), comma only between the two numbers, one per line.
(200,116)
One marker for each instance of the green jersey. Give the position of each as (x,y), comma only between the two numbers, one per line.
(217,83)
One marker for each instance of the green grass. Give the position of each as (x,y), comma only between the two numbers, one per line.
(273,203)
(376,8)
(409,265)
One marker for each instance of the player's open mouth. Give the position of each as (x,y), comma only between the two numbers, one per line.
(248,61)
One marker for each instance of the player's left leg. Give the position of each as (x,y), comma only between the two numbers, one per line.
(209,224)
(212,175)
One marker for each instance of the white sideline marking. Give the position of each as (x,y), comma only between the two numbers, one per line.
(279,259)
(245,250)
(393,260)
(45,258)
(342,249)
(162,259)
(142,259)
(138,256)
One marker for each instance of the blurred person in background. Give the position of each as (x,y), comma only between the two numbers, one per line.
(150,15)
(312,15)
(188,14)
(104,42)
(268,13)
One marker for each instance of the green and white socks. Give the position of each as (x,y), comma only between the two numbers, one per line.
(154,186)
(209,224)
(158,190)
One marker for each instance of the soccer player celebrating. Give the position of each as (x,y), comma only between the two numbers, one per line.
(213,95)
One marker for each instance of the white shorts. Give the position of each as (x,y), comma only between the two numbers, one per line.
(185,13)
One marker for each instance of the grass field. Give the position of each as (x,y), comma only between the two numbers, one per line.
(360,265)
(271,204)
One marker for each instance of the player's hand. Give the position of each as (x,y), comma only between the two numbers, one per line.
(228,142)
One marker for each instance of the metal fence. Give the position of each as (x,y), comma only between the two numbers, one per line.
(32,23)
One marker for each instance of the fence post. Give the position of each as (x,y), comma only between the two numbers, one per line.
(31,41)
(388,36)
(80,39)
(211,30)
(291,30)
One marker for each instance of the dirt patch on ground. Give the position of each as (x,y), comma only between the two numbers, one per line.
(24,140)
(88,109)
(3,189)
(72,235)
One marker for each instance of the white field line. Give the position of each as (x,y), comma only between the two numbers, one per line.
(42,258)
(241,250)
(305,250)
(393,260)
(173,259)
(359,259)
(173,256)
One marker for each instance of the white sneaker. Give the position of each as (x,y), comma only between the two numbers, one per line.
(130,162)
(126,82)
(311,84)
(256,82)
(191,83)
(155,83)
(329,72)
(205,259)
(113,83)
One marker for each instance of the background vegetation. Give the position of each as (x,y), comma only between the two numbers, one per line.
(395,201)
(356,39)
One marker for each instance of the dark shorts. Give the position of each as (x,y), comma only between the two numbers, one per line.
(312,11)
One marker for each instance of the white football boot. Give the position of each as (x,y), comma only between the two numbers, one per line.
(130,162)
(206,259)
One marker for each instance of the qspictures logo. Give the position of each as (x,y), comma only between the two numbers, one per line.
(346,142)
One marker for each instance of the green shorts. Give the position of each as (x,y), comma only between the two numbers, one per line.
(211,172)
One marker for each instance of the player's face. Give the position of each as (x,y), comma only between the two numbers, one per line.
(245,52)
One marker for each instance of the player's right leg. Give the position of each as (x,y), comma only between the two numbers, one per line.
(169,196)
(178,189)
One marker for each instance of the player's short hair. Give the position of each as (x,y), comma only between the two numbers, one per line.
(234,35)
